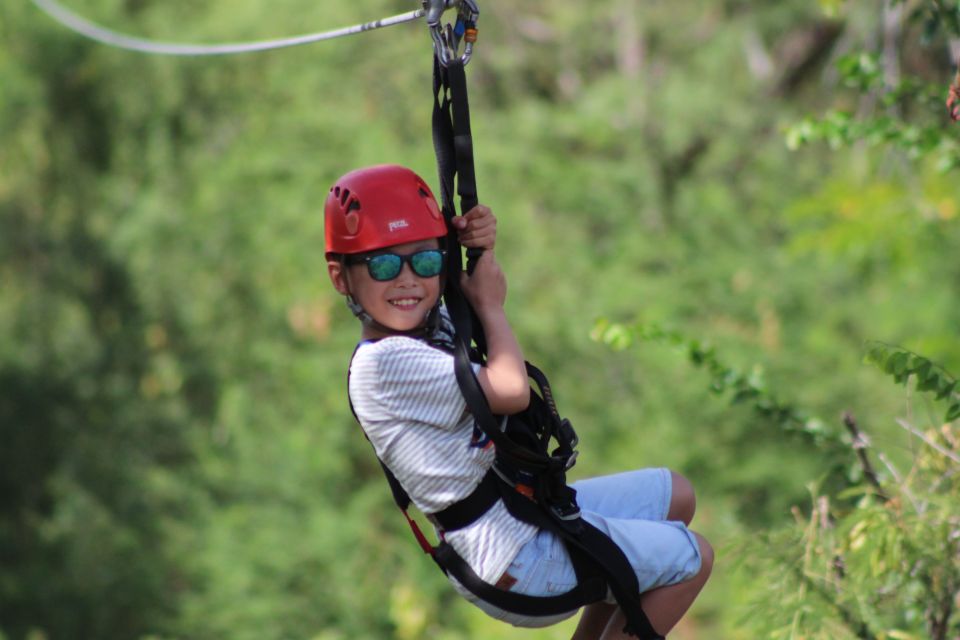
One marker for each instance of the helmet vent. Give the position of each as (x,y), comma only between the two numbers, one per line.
(343,197)
(354,205)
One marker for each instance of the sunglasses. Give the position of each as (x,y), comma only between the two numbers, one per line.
(387,266)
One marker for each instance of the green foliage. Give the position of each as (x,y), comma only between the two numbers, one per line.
(903,365)
(887,567)
(179,459)
(765,442)
(879,559)
(896,110)
(741,387)
(842,127)
(936,16)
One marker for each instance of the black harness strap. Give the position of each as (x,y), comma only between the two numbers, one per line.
(586,591)
(531,482)
(454,148)
(464,513)
(597,559)
(453,142)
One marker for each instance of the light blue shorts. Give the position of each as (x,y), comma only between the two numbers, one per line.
(632,509)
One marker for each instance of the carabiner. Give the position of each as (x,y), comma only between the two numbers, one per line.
(447,37)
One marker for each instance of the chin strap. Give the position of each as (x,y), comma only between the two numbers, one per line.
(358,311)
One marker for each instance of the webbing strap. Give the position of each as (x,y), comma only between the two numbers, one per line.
(585,542)
(470,509)
(453,142)
(454,149)
(586,591)
(597,561)
(417,533)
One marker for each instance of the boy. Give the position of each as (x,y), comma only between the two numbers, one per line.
(385,254)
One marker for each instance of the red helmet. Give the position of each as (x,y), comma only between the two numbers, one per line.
(380,206)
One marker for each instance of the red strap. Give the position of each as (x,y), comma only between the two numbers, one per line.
(422,539)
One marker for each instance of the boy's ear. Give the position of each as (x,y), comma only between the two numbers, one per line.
(337,276)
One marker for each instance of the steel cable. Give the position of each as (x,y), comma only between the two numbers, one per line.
(91,30)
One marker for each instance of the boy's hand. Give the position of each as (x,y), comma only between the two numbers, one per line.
(477,229)
(486,288)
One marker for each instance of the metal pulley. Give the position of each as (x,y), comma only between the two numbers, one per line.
(448,37)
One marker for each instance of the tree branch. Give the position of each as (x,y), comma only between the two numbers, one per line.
(860,444)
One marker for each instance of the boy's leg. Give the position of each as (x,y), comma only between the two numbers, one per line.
(683,501)
(594,620)
(666,605)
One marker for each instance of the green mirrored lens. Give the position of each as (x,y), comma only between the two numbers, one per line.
(385,267)
(427,264)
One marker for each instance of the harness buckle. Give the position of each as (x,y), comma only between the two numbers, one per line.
(566,434)
(566,511)
(567,452)
(447,37)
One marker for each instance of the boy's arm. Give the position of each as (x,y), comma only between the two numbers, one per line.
(504,377)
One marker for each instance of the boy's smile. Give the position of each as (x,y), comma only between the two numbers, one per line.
(406,304)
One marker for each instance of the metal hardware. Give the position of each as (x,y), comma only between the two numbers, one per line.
(447,38)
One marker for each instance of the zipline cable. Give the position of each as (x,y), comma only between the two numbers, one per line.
(91,30)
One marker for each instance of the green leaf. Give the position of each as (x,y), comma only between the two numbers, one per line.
(914,362)
(876,355)
(799,134)
(886,365)
(696,355)
(953,412)
(927,378)
(857,490)
(946,388)
(615,336)
(898,363)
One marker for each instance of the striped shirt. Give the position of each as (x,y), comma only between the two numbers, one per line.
(406,397)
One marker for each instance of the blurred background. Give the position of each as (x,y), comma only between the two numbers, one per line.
(710,212)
